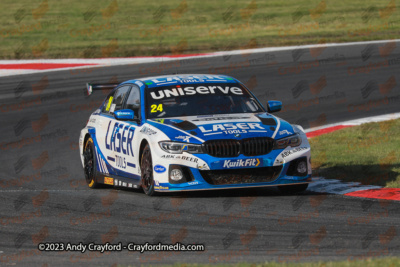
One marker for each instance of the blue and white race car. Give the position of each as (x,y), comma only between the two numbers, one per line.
(191,132)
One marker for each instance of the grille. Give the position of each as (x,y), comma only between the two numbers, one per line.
(222,148)
(242,176)
(232,148)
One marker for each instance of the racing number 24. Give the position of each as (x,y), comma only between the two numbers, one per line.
(155,108)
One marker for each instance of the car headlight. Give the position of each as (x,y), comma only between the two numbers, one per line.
(178,148)
(293,141)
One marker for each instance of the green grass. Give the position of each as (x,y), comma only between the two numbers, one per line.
(368,153)
(123,28)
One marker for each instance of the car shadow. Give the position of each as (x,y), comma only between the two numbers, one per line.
(270,191)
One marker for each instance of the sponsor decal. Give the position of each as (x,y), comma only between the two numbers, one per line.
(121,183)
(190,90)
(120,162)
(109,180)
(119,139)
(147,130)
(222,118)
(161,187)
(193,78)
(184,138)
(193,183)
(112,108)
(203,167)
(191,159)
(123,113)
(160,120)
(195,160)
(232,128)
(168,156)
(293,151)
(159,169)
(284,132)
(239,163)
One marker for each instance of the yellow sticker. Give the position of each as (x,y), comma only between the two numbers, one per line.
(155,108)
(109,180)
(109,103)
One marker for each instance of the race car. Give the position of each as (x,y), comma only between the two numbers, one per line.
(191,132)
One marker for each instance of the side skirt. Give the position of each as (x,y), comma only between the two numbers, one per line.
(115,180)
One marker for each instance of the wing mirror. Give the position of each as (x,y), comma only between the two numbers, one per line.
(124,114)
(274,106)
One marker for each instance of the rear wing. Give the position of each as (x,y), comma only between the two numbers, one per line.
(90,87)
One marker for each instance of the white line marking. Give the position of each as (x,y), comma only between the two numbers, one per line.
(255,131)
(337,187)
(386,117)
(140,60)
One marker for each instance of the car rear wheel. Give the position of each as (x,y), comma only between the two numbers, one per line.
(90,164)
(146,167)
(293,189)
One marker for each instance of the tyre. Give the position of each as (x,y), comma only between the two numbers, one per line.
(146,166)
(89,159)
(293,189)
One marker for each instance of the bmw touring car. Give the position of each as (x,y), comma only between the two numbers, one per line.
(191,132)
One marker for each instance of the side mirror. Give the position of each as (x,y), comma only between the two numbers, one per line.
(274,106)
(124,114)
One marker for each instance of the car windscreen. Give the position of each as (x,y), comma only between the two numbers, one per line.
(199,99)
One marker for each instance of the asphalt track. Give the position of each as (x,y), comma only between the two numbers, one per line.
(44,197)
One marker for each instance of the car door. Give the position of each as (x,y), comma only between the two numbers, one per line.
(125,142)
(108,126)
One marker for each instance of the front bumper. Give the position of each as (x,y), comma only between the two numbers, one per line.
(236,178)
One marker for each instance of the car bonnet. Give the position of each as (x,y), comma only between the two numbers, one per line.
(197,129)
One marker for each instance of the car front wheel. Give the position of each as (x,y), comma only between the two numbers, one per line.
(146,167)
(90,163)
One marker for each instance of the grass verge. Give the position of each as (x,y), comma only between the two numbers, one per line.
(368,153)
(123,28)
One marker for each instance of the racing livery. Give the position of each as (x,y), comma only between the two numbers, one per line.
(191,132)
